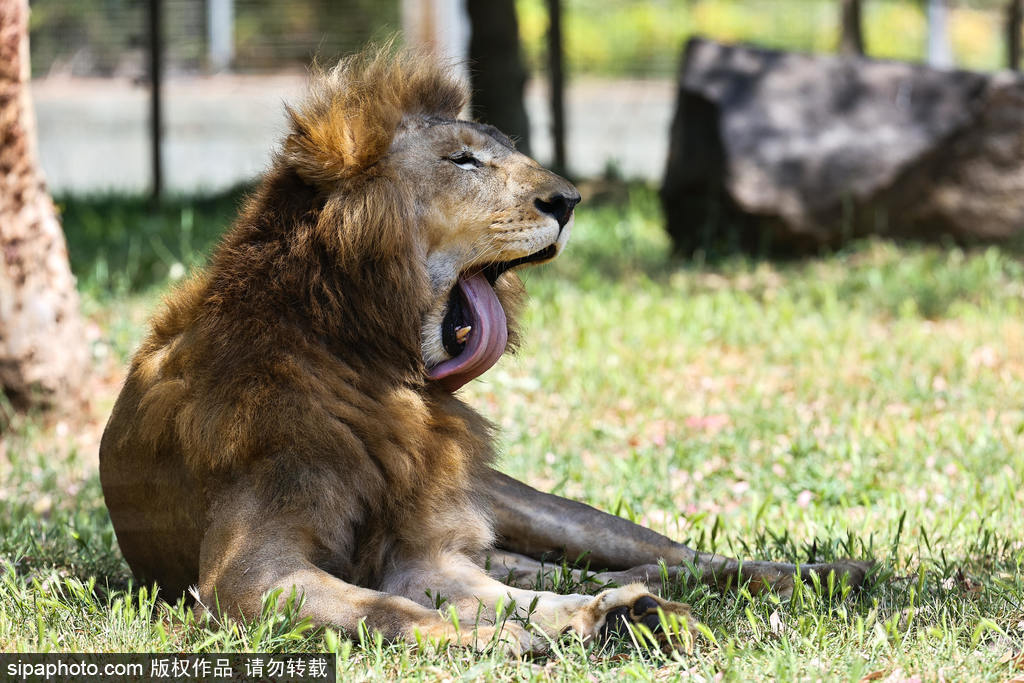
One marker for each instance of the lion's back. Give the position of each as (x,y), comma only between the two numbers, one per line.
(153,498)
(154,502)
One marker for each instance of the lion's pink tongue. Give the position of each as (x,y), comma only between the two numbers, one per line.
(486,341)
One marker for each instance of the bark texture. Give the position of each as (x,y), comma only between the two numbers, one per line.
(43,354)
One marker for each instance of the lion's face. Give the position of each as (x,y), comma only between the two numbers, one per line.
(482,210)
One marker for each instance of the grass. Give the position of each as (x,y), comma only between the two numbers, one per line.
(867,403)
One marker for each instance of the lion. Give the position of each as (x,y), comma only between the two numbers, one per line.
(291,421)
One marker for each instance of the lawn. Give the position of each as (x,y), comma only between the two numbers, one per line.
(866,403)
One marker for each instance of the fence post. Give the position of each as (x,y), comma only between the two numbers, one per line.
(155,21)
(220,33)
(940,52)
(441,27)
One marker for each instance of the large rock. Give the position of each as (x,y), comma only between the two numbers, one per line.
(779,150)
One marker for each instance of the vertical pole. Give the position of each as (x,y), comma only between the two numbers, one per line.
(556,73)
(940,52)
(419,25)
(851,36)
(220,33)
(1014,21)
(155,100)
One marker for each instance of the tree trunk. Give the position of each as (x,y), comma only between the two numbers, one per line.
(496,68)
(43,353)
(1014,20)
(556,75)
(851,37)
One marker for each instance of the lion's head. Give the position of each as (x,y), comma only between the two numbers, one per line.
(380,136)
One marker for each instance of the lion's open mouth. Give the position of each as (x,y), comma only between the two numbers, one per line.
(474,330)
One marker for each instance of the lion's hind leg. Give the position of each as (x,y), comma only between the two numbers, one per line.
(525,572)
(540,525)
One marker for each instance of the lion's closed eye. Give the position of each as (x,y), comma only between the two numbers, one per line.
(465,160)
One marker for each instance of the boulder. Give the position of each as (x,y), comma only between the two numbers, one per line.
(777,151)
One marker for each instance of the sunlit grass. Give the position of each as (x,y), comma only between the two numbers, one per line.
(866,403)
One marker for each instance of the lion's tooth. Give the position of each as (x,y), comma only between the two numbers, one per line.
(462,333)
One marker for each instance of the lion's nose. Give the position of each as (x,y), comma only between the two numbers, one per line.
(558,206)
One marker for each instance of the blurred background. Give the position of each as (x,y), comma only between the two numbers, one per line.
(229,64)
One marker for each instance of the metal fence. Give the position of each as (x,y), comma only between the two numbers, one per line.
(108,38)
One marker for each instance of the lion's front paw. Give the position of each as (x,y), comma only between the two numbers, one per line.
(510,638)
(611,612)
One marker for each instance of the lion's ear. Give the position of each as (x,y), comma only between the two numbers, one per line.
(350,117)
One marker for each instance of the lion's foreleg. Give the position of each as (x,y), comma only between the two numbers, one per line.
(245,557)
(547,527)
